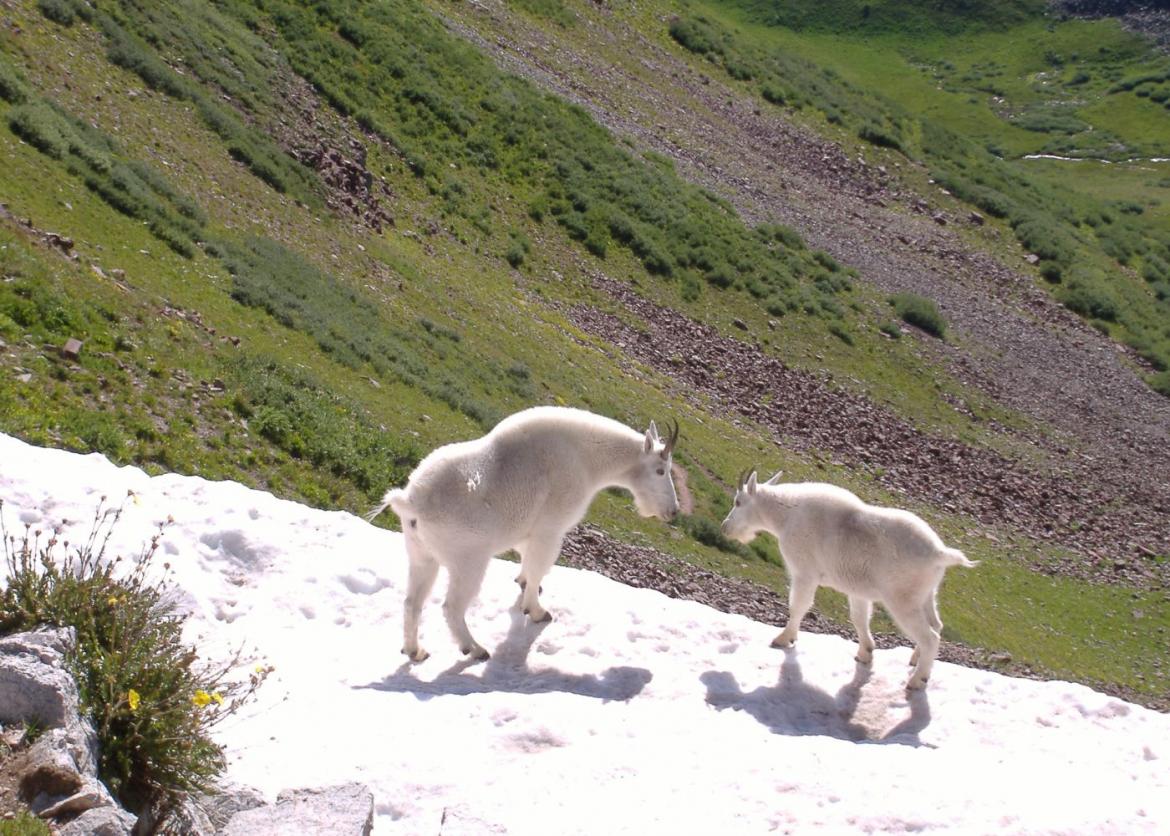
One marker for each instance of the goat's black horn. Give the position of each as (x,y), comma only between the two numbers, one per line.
(672,435)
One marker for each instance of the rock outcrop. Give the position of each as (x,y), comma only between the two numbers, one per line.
(56,775)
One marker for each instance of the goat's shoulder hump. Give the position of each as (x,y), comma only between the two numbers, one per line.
(820,492)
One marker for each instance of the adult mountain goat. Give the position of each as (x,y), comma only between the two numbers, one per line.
(829,537)
(522,486)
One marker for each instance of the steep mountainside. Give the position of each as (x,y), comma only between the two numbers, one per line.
(302,245)
(1013,342)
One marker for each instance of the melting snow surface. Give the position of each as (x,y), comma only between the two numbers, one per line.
(629,713)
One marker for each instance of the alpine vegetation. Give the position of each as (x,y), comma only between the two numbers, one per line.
(829,537)
(522,486)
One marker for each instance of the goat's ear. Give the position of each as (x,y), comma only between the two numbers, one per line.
(750,485)
(775,480)
(651,437)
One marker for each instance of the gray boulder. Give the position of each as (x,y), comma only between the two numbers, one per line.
(35,685)
(345,810)
(57,775)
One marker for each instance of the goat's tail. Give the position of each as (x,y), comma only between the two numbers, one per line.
(954,557)
(397,501)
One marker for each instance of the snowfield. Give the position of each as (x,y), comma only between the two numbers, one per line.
(629,713)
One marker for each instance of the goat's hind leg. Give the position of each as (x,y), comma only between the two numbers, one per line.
(930,610)
(915,623)
(466,579)
(860,611)
(420,581)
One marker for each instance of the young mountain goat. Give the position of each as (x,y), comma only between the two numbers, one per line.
(522,486)
(829,537)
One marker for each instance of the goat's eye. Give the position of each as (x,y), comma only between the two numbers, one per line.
(661,471)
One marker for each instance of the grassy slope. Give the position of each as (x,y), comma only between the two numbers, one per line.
(1026,85)
(499,342)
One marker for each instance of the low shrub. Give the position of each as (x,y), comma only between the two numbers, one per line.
(919,312)
(706,531)
(12,88)
(63,12)
(695,35)
(297,414)
(880,136)
(1091,301)
(150,698)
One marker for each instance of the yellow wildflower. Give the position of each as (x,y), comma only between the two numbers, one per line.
(218,698)
(201,698)
(133,699)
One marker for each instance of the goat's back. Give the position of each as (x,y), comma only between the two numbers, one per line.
(492,491)
(855,547)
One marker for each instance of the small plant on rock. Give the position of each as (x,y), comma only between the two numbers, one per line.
(152,701)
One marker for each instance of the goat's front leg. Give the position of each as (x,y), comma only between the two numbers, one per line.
(536,558)
(800,600)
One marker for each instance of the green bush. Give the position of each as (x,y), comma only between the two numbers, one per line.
(920,312)
(706,531)
(1043,237)
(40,126)
(695,34)
(58,11)
(12,88)
(152,701)
(880,136)
(294,412)
(1048,121)
(1088,300)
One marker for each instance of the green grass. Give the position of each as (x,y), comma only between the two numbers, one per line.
(24,824)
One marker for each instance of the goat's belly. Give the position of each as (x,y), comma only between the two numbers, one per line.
(851,580)
(456,539)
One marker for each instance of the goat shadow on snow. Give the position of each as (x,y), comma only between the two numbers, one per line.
(507,670)
(794,707)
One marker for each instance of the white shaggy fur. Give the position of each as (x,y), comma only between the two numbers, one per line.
(522,486)
(829,537)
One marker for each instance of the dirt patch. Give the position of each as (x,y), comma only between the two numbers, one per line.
(317,136)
